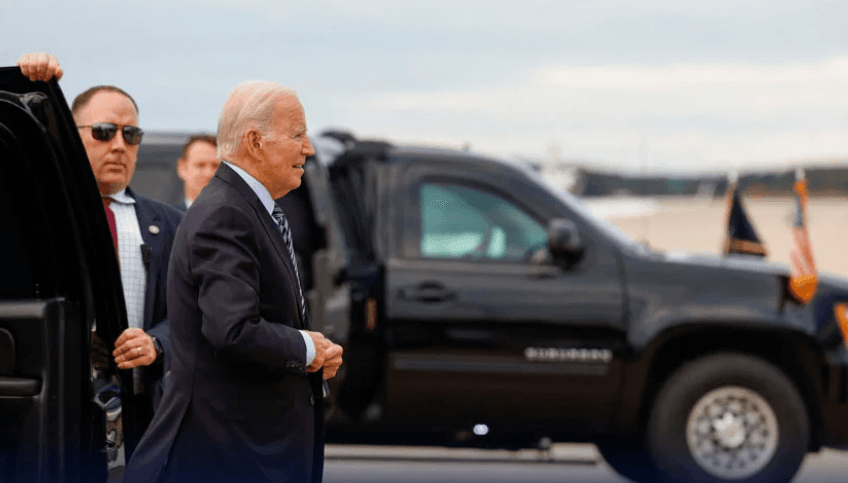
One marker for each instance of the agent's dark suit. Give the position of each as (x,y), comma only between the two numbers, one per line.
(158,225)
(238,404)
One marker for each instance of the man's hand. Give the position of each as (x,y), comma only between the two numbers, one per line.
(40,67)
(134,348)
(327,355)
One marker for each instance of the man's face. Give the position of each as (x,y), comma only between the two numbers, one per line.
(285,147)
(197,167)
(112,161)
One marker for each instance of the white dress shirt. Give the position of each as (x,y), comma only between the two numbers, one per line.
(133,271)
(268,202)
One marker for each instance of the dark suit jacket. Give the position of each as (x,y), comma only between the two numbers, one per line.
(238,404)
(158,224)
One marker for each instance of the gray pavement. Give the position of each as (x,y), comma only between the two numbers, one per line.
(580,454)
(564,463)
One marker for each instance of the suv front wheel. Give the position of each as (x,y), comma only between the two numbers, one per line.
(728,417)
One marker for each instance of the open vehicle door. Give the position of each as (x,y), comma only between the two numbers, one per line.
(55,283)
(329,294)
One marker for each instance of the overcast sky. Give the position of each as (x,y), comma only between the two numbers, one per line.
(635,85)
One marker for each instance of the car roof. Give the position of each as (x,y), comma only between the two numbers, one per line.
(331,148)
(156,170)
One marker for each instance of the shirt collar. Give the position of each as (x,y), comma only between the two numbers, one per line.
(257,187)
(122,197)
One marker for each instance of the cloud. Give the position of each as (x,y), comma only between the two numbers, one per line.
(693,115)
(699,83)
(498,14)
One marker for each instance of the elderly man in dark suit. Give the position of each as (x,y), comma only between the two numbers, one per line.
(244,398)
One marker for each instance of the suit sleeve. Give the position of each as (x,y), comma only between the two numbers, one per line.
(225,263)
(162,334)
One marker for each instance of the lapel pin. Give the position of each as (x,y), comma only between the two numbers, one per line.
(153,229)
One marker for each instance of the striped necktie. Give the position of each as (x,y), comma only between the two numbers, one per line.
(283,227)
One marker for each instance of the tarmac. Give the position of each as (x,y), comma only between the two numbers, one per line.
(559,453)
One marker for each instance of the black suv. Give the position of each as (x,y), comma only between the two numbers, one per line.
(476,305)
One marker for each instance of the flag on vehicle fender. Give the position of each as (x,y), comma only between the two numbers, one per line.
(803,279)
(840,310)
(741,236)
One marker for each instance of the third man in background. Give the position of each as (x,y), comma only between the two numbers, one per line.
(197,165)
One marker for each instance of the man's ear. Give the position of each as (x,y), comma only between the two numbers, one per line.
(253,143)
(181,165)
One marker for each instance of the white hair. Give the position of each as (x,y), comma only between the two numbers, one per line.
(250,106)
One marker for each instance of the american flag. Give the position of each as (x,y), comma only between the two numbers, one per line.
(803,279)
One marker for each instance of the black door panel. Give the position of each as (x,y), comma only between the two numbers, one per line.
(38,405)
(7,353)
(477,333)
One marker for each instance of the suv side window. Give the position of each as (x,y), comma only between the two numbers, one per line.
(458,221)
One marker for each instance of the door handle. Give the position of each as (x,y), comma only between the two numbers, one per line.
(19,386)
(428,293)
(541,272)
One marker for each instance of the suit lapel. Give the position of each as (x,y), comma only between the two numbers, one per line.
(151,225)
(232,178)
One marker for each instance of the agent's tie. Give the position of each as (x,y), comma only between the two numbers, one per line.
(110,216)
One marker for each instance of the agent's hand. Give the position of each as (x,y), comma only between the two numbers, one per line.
(327,355)
(134,348)
(40,66)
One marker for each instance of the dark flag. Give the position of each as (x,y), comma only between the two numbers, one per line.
(803,280)
(741,236)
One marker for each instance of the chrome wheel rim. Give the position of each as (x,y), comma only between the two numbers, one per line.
(732,433)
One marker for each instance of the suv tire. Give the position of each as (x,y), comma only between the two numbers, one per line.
(728,417)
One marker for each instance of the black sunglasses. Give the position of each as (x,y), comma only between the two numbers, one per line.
(105,131)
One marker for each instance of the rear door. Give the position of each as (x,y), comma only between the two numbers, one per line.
(54,284)
(477,332)
(328,295)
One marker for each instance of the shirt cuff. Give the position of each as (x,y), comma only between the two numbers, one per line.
(310,347)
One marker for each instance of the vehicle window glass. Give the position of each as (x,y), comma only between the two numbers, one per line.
(156,170)
(464,222)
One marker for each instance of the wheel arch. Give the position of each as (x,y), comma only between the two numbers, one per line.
(792,352)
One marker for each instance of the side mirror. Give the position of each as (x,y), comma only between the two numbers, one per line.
(564,240)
